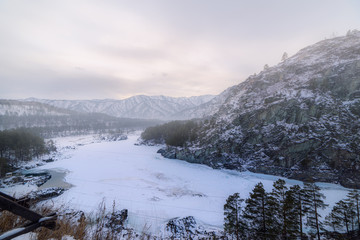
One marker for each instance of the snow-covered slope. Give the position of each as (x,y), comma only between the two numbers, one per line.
(206,109)
(21,108)
(53,121)
(310,74)
(300,118)
(145,107)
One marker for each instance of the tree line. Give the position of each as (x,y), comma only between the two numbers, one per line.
(74,124)
(175,133)
(20,145)
(284,213)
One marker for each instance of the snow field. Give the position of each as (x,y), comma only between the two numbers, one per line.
(152,188)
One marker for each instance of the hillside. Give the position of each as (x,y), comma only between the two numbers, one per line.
(205,109)
(50,121)
(141,107)
(21,108)
(298,119)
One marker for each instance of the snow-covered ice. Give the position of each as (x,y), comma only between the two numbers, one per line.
(154,189)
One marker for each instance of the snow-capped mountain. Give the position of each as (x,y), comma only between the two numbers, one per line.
(142,107)
(205,109)
(53,121)
(300,118)
(21,108)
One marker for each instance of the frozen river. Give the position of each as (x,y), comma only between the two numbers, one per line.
(154,189)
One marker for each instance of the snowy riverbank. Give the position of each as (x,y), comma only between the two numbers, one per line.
(152,188)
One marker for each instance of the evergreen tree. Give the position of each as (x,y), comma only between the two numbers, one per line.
(354,197)
(298,195)
(4,143)
(288,209)
(233,222)
(294,212)
(313,202)
(351,214)
(258,214)
(284,56)
(333,221)
(277,202)
(340,216)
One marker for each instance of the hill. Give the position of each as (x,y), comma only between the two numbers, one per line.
(50,121)
(141,106)
(299,119)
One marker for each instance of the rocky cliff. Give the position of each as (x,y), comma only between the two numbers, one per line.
(299,119)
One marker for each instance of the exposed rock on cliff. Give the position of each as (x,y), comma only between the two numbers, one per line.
(299,119)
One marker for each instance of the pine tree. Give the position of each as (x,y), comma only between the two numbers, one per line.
(333,221)
(278,197)
(351,213)
(294,202)
(288,210)
(354,197)
(284,56)
(273,216)
(313,201)
(258,215)
(233,222)
(340,216)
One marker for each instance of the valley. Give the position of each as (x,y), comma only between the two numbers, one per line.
(164,163)
(153,189)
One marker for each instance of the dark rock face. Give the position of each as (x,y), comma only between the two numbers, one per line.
(34,178)
(116,220)
(188,228)
(184,228)
(299,119)
(45,194)
(48,160)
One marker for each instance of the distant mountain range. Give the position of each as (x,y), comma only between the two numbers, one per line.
(68,117)
(51,121)
(140,107)
(30,108)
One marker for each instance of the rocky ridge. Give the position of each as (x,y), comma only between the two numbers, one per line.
(141,106)
(299,119)
(21,108)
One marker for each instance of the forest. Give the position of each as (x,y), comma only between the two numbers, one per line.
(290,213)
(74,124)
(175,133)
(20,145)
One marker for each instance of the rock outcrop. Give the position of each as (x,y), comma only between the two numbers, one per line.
(188,228)
(45,194)
(299,119)
(116,220)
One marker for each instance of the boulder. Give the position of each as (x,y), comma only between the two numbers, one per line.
(116,220)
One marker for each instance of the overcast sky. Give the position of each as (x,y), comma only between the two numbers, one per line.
(73,49)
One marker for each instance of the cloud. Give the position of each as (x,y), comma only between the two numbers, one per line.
(115,49)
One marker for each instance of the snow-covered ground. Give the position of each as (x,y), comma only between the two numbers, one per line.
(152,188)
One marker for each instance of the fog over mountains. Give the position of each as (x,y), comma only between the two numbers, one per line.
(140,106)
(70,117)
